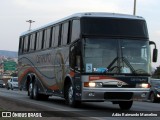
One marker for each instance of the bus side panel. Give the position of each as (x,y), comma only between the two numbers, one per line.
(49,66)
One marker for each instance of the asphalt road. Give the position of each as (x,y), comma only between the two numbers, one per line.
(56,107)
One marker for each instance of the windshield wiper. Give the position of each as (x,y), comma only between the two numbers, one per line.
(110,68)
(128,64)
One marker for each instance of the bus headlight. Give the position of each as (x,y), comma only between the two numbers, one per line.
(92,84)
(158,95)
(143,85)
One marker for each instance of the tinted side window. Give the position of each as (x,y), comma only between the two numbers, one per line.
(43,40)
(56,36)
(39,40)
(32,42)
(30,46)
(64,37)
(53,36)
(35,43)
(75,30)
(29,39)
(21,45)
(47,37)
(25,44)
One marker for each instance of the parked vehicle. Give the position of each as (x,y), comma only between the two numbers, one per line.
(2,84)
(154,94)
(12,83)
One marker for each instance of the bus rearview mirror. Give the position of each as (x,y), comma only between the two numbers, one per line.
(155,53)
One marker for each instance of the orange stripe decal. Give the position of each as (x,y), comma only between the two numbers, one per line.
(91,78)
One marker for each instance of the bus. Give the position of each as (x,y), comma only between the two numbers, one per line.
(88,57)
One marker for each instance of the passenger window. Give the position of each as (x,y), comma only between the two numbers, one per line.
(53,36)
(47,37)
(25,44)
(39,40)
(56,36)
(21,45)
(32,42)
(43,40)
(75,34)
(28,46)
(64,35)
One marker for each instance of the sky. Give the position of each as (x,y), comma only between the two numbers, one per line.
(15,13)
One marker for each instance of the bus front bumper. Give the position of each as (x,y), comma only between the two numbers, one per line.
(113,94)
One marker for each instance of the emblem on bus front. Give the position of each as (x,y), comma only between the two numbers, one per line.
(119,84)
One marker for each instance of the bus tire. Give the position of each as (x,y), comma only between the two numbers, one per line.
(30,90)
(125,105)
(11,87)
(36,94)
(153,98)
(8,88)
(70,99)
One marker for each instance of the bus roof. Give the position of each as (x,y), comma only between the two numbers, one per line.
(87,14)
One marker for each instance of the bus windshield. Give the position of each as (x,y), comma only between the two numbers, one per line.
(116,56)
(114,27)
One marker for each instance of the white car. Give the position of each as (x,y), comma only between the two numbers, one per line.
(12,83)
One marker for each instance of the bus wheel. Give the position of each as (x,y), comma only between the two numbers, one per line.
(70,97)
(36,95)
(11,87)
(30,90)
(152,98)
(125,105)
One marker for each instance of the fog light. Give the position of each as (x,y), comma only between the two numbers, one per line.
(158,95)
(92,94)
(99,85)
(143,95)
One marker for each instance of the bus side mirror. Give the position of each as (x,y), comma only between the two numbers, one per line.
(155,53)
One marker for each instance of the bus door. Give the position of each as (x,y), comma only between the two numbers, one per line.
(75,63)
(75,57)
